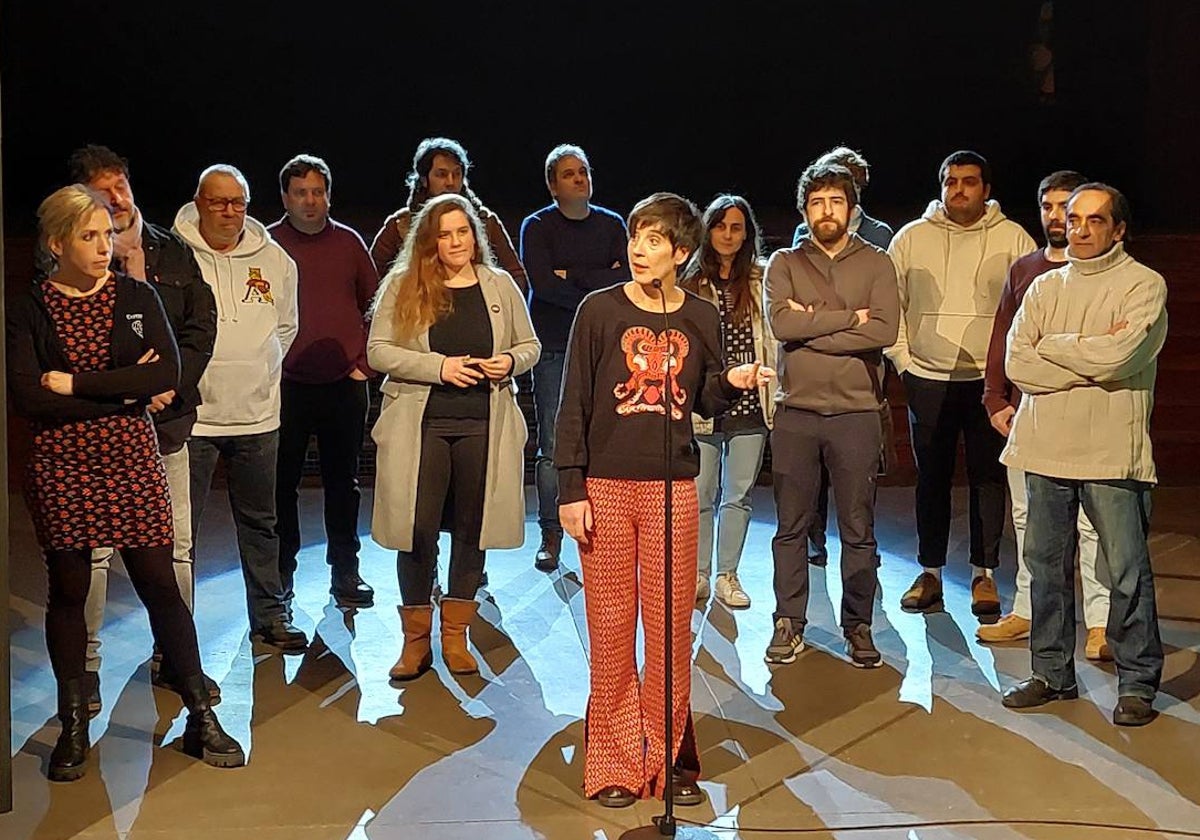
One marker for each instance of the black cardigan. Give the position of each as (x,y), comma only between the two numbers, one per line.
(33,349)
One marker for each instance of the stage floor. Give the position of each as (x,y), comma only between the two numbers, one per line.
(920,748)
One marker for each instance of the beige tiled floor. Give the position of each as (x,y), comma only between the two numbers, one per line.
(920,748)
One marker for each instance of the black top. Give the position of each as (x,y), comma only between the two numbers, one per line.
(610,420)
(466,331)
(737,346)
(33,348)
(585,250)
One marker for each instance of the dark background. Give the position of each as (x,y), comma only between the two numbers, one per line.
(693,97)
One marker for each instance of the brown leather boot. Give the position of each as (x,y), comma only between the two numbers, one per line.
(417,656)
(456,617)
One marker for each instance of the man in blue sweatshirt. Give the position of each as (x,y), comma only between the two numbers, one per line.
(569,248)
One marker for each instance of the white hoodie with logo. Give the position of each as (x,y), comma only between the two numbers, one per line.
(950,278)
(255,287)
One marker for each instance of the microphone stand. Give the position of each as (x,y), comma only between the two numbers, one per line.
(664,825)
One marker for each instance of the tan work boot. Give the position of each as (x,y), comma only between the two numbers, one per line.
(1010,628)
(985,600)
(1097,645)
(457,614)
(417,656)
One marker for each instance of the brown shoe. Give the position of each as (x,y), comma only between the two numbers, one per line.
(925,591)
(985,600)
(1097,648)
(1010,628)
(417,656)
(457,614)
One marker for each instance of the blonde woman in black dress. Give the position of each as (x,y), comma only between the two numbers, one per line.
(87,349)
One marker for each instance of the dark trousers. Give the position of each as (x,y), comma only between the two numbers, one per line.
(250,480)
(153,578)
(453,466)
(547,390)
(1120,513)
(848,446)
(938,412)
(816,534)
(337,414)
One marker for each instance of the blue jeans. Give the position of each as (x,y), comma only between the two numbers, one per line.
(1120,513)
(547,391)
(250,481)
(729,466)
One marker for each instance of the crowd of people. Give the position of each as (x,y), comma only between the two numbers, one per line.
(661,345)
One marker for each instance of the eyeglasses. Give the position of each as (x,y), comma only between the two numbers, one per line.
(218,205)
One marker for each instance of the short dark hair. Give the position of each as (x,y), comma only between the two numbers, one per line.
(301,165)
(422,164)
(559,152)
(965,157)
(1063,179)
(1121,213)
(87,162)
(820,176)
(678,218)
(852,160)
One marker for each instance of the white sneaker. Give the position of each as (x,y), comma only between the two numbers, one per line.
(701,589)
(730,593)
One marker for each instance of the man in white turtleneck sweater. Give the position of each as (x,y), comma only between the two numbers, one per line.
(1083,349)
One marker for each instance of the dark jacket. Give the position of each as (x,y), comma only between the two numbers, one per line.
(192,314)
(33,347)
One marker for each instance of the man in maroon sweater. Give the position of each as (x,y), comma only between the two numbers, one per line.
(1000,398)
(324,389)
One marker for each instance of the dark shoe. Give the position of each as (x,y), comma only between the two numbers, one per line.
(203,736)
(165,677)
(68,760)
(283,635)
(686,791)
(925,591)
(615,796)
(483,579)
(1034,692)
(1133,711)
(818,555)
(785,643)
(349,590)
(861,649)
(985,600)
(546,559)
(91,693)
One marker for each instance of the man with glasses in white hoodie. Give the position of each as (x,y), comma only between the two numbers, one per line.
(254,282)
(951,265)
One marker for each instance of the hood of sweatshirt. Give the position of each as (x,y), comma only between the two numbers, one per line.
(992,216)
(187,224)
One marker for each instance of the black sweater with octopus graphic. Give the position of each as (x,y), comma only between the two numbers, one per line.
(610,420)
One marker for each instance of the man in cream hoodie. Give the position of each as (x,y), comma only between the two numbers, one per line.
(1083,349)
(254,282)
(951,265)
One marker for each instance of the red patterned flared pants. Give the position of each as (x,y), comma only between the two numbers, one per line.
(622,570)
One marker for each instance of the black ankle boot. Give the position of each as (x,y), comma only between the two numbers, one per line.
(203,736)
(68,761)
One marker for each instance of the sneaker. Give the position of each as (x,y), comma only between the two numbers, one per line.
(861,649)
(925,591)
(282,634)
(785,643)
(985,600)
(730,593)
(1010,628)
(546,559)
(1097,648)
(702,590)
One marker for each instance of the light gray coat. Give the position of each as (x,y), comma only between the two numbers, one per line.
(411,369)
